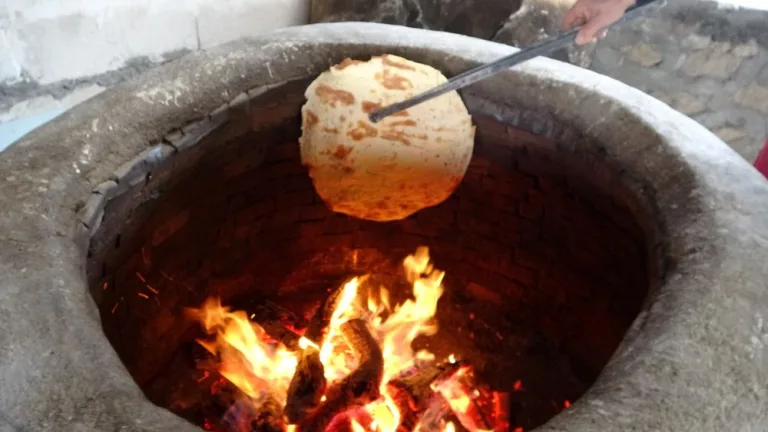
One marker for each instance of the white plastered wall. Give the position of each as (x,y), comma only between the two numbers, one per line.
(47,41)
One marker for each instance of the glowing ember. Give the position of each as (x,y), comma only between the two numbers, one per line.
(367,378)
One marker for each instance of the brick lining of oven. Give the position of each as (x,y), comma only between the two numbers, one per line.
(548,258)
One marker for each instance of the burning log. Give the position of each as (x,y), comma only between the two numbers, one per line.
(279,323)
(307,386)
(254,415)
(283,335)
(414,397)
(357,389)
(418,383)
(308,383)
(433,418)
(318,326)
(268,417)
(475,407)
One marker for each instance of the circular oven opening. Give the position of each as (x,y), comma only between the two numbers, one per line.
(546,263)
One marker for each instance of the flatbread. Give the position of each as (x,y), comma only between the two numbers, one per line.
(391,169)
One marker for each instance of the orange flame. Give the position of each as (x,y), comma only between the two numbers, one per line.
(256,366)
(246,360)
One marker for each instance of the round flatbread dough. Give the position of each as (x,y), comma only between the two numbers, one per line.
(398,166)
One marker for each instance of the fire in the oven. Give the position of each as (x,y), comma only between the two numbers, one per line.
(353,367)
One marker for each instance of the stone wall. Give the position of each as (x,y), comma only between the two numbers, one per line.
(705,61)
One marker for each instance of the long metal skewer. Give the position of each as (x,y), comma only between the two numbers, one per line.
(487,70)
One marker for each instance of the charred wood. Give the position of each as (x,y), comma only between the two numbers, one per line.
(268,416)
(308,383)
(473,405)
(434,417)
(417,383)
(413,394)
(307,386)
(357,389)
(279,323)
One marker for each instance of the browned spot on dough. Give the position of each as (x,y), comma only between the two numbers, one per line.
(347,62)
(393,81)
(362,130)
(396,136)
(402,136)
(310,119)
(330,130)
(331,95)
(341,151)
(343,118)
(369,107)
(387,61)
(404,123)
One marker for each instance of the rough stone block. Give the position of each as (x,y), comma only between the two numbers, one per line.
(170,227)
(755,97)
(314,212)
(340,224)
(108,189)
(711,63)
(280,170)
(746,50)
(486,294)
(194,132)
(530,210)
(92,212)
(254,211)
(413,226)
(643,54)
(524,275)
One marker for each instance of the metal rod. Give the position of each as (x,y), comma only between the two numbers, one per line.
(487,70)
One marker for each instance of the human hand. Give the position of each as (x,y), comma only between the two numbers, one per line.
(594,16)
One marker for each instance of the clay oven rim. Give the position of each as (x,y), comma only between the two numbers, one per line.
(692,345)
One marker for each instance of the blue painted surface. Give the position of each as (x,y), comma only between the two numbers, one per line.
(13,130)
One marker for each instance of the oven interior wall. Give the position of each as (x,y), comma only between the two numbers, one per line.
(534,242)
